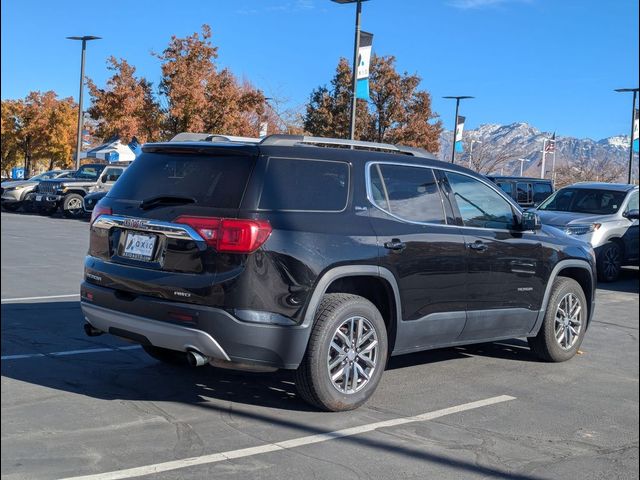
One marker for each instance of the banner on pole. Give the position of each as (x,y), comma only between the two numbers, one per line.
(364,59)
(458,138)
(634,139)
(550,146)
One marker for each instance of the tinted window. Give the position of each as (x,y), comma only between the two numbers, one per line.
(541,191)
(89,172)
(480,205)
(312,185)
(410,193)
(585,200)
(212,181)
(523,192)
(506,188)
(633,202)
(113,174)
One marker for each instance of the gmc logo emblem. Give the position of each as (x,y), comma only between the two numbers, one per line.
(133,223)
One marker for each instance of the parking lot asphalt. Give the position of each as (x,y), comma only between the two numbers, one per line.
(76,406)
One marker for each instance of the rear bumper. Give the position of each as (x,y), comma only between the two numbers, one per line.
(152,332)
(181,326)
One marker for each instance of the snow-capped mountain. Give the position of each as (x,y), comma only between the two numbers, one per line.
(521,140)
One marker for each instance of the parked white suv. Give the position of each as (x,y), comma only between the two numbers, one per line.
(603,214)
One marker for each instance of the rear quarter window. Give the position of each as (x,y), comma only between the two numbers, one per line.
(305,185)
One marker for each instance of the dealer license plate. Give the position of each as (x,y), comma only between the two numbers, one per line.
(139,246)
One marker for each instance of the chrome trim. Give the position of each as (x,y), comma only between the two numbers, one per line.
(367,174)
(171,230)
(403,164)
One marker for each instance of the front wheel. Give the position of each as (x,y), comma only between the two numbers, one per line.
(346,354)
(564,324)
(72,206)
(609,262)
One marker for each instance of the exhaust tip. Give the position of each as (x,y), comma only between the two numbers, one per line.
(91,331)
(196,359)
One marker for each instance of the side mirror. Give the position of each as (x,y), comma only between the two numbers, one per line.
(632,214)
(531,221)
(103,178)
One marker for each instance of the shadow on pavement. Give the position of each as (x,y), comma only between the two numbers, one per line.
(132,375)
(629,282)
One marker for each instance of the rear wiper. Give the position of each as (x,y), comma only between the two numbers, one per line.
(153,202)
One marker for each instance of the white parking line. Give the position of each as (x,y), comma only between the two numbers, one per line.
(50,297)
(69,352)
(293,443)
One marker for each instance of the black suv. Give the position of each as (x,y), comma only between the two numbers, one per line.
(527,192)
(325,257)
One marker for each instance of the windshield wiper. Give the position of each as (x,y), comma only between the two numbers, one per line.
(158,200)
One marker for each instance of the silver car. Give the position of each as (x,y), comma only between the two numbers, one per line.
(603,214)
(14,192)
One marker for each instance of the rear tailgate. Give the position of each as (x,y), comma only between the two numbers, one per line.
(150,239)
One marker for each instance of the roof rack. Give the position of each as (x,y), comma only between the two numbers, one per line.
(291,140)
(211,137)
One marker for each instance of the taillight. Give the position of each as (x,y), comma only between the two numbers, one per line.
(99,210)
(229,235)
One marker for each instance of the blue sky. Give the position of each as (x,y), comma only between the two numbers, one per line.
(551,63)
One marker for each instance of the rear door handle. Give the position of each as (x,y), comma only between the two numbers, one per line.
(477,245)
(395,244)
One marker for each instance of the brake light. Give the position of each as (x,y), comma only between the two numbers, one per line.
(230,235)
(99,210)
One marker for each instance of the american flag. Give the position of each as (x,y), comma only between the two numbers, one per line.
(550,146)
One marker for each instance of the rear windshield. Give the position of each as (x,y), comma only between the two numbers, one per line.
(212,181)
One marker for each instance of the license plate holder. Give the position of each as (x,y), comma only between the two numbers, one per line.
(139,246)
(38,198)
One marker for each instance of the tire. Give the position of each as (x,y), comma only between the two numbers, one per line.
(609,262)
(164,355)
(548,345)
(344,313)
(72,206)
(12,207)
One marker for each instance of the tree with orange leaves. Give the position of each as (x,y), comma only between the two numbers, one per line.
(199,97)
(126,107)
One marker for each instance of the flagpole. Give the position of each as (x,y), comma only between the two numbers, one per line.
(553,168)
(544,151)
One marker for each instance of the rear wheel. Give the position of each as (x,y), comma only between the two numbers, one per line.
(172,357)
(609,262)
(72,206)
(346,355)
(564,324)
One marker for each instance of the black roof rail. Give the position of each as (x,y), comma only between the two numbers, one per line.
(211,137)
(290,140)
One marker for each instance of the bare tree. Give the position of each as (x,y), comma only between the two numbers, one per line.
(583,170)
(486,158)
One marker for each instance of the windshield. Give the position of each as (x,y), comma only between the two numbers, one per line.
(584,200)
(44,176)
(89,172)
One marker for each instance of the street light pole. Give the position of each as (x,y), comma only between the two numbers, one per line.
(471,151)
(84,39)
(455,122)
(633,117)
(354,76)
(522,160)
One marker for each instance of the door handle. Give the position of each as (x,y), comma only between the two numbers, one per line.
(477,245)
(395,244)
